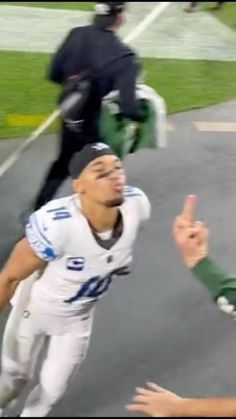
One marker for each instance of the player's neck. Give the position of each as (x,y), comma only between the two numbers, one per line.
(100,218)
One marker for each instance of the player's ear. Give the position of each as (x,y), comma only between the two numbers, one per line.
(77,186)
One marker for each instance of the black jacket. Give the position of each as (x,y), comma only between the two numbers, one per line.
(113,66)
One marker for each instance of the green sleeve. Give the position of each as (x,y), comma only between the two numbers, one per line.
(218,282)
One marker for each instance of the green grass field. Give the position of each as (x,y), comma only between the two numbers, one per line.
(70,5)
(184,84)
(226,15)
(27,98)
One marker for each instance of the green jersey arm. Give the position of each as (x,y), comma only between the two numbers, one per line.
(221,285)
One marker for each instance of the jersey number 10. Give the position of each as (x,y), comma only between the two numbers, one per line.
(97,286)
(93,288)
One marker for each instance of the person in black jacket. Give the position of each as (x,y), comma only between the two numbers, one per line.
(112,66)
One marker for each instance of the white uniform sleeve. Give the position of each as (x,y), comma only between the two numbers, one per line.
(44,233)
(141,202)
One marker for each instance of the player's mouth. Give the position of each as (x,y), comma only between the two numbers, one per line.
(119,188)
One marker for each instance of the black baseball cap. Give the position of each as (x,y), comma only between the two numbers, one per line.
(106,12)
(89,153)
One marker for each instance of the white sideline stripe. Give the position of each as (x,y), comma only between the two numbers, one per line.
(8,163)
(142,26)
(134,34)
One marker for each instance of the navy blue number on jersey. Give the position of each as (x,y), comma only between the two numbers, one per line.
(96,286)
(59,213)
(93,288)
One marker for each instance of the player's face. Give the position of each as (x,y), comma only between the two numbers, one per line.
(103,181)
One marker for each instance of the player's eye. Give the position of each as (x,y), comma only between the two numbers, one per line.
(102,173)
(99,174)
(119,167)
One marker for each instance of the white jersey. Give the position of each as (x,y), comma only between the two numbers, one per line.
(79,269)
